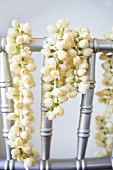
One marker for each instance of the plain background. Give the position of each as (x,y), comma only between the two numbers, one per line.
(98,16)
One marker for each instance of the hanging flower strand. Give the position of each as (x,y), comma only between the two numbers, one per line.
(65,72)
(104,125)
(21,64)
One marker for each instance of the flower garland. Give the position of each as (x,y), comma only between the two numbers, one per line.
(21,64)
(104,125)
(65,72)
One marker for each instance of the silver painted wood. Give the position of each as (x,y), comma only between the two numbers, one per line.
(85,111)
(6,104)
(103,163)
(46,126)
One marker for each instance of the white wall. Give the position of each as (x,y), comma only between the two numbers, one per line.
(98,16)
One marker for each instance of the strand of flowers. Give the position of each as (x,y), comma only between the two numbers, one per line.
(21,64)
(65,72)
(104,125)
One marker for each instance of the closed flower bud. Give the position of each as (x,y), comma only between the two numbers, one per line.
(109,125)
(63,67)
(54,73)
(63,23)
(69,79)
(11,116)
(25,122)
(85,29)
(47,86)
(51,63)
(15,23)
(76,60)
(31,67)
(28,100)
(64,89)
(63,98)
(48,102)
(73,94)
(107,35)
(60,45)
(56,92)
(45,70)
(19,39)
(106,66)
(61,54)
(58,111)
(83,43)
(81,72)
(47,94)
(48,78)
(10,39)
(24,134)
(84,35)
(52,29)
(12,32)
(51,40)
(72,52)
(19,141)
(50,115)
(11,48)
(84,87)
(26,38)
(10,93)
(15,153)
(87,52)
(29,162)
(46,52)
(27,28)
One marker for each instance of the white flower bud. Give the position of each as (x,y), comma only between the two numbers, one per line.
(15,153)
(83,43)
(15,23)
(106,66)
(69,73)
(14,67)
(58,111)
(84,78)
(63,67)
(50,115)
(11,143)
(26,38)
(54,73)
(45,70)
(60,45)
(84,87)
(52,29)
(47,94)
(72,52)
(73,94)
(27,28)
(48,102)
(107,35)
(31,67)
(12,32)
(84,35)
(11,116)
(63,23)
(56,92)
(10,39)
(109,125)
(19,141)
(51,63)
(19,39)
(87,52)
(11,136)
(28,100)
(29,162)
(46,52)
(48,78)
(11,48)
(10,93)
(25,122)
(47,86)
(63,98)
(61,54)
(76,60)
(51,40)
(69,79)
(64,89)
(85,29)
(81,72)
(24,134)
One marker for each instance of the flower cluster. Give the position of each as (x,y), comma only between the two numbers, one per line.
(65,71)
(104,125)
(21,64)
